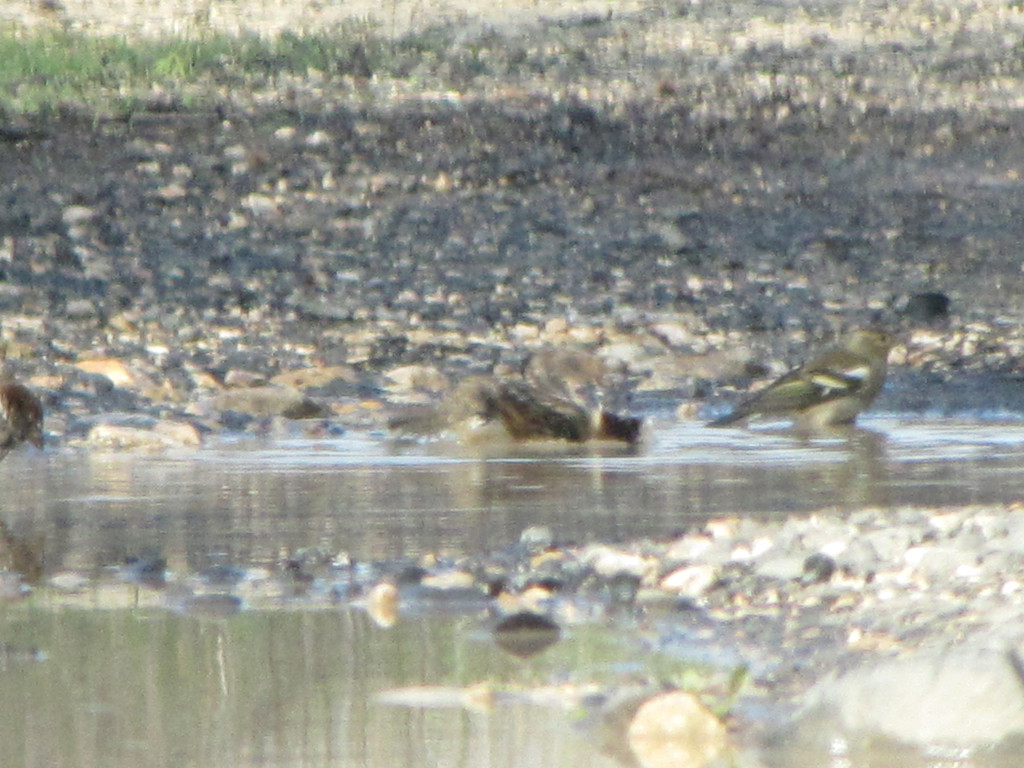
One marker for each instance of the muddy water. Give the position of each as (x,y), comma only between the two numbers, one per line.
(285,688)
(117,682)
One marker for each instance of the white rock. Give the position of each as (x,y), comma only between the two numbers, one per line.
(690,580)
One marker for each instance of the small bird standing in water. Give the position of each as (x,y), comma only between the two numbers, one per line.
(21,415)
(828,391)
(559,397)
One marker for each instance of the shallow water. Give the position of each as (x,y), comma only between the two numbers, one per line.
(243,502)
(280,688)
(296,686)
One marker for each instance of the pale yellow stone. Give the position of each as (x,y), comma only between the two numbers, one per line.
(382,604)
(674,730)
(111,367)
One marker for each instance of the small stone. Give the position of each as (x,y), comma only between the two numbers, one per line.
(448,580)
(171,192)
(674,730)
(782,567)
(259,205)
(927,307)
(237,378)
(442,183)
(955,697)
(77,214)
(319,139)
(411,378)
(113,369)
(69,581)
(818,568)
(80,309)
(672,237)
(179,432)
(608,562)
(937,563)
(236,152)
(160,436)
(556,326)
(689,547)
(536,538)
(270,401)
(303,378)
(382,604)
(691,580)
(673,334)
(526,634)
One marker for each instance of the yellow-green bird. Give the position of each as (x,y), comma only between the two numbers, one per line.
(829,390)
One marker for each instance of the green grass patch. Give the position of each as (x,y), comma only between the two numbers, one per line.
(44,71)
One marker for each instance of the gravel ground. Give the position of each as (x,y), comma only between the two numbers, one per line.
(684,188)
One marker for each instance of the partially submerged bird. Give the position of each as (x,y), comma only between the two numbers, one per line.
(529,412)
(21,415)
(551,402)
(830,390)
(580,376)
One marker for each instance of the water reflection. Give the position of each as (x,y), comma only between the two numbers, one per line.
(295,688)
(250,504)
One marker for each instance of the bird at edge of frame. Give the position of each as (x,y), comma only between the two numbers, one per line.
(21,415)
(828,391)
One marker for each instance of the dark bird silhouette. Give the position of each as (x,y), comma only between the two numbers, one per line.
(21,416)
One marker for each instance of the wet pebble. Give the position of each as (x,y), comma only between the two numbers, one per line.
(525,634)
(676,730)
(116,371)
(691,580)
(156,436)
(783,567)
(270,401)
(416,378)
(927,307)
(536,539)
(608,562)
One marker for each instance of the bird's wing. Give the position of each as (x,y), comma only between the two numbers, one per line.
(807,387)
(528,411)
(831,380)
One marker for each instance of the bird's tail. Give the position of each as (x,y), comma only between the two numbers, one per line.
(612,426)
(728,420)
